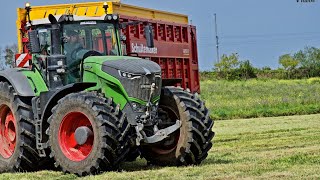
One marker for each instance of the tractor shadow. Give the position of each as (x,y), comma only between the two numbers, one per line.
(138,165)
(142,165)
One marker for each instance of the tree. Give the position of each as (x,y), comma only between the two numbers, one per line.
(9,56)
(288,62)
(309,59)
(227,65)
(2,64)
(246,70)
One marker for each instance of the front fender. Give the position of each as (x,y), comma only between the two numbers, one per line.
(49,99)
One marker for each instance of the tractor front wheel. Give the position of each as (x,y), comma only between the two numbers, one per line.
(88,134)
(191,143)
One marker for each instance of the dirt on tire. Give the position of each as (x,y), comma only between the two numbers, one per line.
(189,145)
(24,157)
(110,133)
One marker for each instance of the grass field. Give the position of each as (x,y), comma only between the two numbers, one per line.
(264,148)
(261,98)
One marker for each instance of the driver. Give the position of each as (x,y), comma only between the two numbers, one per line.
(72,44)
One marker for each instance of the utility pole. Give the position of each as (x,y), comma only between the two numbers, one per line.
(217,38)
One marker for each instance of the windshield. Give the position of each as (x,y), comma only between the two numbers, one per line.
(91,35)
(89,38)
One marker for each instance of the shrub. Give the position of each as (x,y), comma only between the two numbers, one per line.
(314,80)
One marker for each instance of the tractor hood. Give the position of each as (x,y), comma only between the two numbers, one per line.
(136,75)
(125,64)
(134,66)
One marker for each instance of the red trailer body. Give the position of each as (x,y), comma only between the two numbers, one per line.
(175,49)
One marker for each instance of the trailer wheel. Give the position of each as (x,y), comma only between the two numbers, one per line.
(88,134)
(190,144)
(17,132)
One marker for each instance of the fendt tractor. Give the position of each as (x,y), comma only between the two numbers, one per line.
(82,106)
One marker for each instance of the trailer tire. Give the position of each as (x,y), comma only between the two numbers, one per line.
(17,132)
(104,150)
(190,144)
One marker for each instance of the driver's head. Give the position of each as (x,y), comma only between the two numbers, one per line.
(73,36)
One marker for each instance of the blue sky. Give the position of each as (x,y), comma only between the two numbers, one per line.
(258,30)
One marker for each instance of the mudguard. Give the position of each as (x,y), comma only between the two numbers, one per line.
(18,80)
(50,98)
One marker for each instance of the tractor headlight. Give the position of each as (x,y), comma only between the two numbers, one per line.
(128,75)
(71,18)
(115,17)
(109,17)
(68,18)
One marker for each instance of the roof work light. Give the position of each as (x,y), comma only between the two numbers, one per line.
(105,7)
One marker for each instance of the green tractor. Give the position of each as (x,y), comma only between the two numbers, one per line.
(85,108)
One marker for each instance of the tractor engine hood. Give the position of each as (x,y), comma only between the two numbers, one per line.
(134,66)
(136,76)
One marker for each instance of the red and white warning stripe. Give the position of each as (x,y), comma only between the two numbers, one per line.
(22,60)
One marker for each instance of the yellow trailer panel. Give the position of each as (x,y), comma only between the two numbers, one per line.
(96,9)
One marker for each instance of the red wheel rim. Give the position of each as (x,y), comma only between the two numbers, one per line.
(7,132)
(67,140)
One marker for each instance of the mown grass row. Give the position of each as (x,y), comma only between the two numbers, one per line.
(261,98)
(264,148)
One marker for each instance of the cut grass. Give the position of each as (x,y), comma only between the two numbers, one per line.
(264,148)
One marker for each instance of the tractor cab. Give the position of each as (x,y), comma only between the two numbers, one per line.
(79,40)
(76,38)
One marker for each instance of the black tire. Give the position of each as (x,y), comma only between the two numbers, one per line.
(133,154)
(190,144)
(25,156)
(109,126)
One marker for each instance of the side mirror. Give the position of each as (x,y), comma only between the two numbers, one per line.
(149,36)
(34,43)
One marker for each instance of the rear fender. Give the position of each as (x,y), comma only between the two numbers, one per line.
(27,83)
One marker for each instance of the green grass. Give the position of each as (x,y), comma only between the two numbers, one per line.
(264,148)
(259,98)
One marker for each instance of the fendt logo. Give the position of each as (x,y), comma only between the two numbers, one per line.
(143,49)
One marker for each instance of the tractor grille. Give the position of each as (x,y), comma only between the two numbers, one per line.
(140,87)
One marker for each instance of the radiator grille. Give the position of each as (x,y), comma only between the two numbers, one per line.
(137,87)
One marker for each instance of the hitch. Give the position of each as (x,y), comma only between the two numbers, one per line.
(159,134)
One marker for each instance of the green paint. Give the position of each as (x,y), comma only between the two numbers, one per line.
(102,59)
(109,85)
(35,80)
(132,99)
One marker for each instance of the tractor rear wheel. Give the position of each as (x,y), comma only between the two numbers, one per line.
(88,134)
(191,143)
(17,132)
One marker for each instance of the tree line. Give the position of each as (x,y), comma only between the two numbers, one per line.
(302,64)
(7,56)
